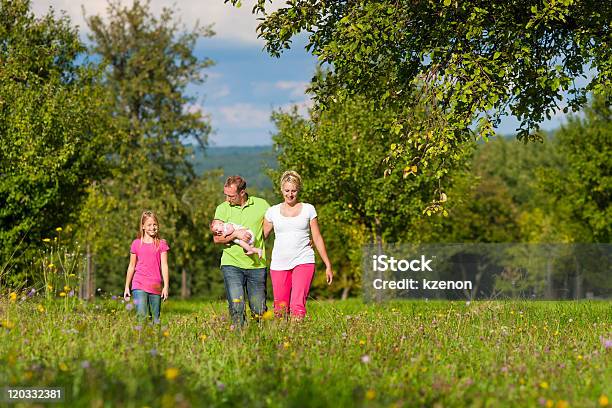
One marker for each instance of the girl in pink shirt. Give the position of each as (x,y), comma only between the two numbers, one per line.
(148,269)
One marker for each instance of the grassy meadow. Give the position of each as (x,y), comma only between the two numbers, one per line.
(409,353)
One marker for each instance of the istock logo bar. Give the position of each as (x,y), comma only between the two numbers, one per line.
(388,263)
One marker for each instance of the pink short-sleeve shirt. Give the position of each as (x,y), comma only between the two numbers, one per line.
(147,275)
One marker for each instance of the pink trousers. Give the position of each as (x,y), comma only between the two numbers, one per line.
(291,289)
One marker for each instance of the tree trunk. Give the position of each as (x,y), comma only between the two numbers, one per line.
(345,292)
(88,284)
(578,281)
(185,293)
(549,281)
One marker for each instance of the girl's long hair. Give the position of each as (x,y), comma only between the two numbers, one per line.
(145,216)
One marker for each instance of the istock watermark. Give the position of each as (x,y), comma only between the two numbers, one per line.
(487,271)
(384,263)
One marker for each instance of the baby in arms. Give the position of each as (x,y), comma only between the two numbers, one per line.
(224,229)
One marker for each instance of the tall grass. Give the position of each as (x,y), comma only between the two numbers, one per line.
(412,353)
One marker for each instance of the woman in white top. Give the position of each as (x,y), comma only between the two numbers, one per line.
(293,261)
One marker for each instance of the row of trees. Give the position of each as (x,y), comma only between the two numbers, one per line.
(51,127)
(501,191)
(460,62)
(95,134)
(429,78)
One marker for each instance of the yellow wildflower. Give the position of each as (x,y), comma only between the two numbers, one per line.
(286,344)
(72,275)
(41,308)
(8,324)
(50,287)
(362,342)
(62,294)
(63,366)
(544,385)
(549,403)
(51,266)
(268,315)
(237,300)
(46,240)
(171,373)
(59,229)
(13,296)
(603,401)
(66,288)
(562,404)
(203,337)
(370,394)
(166,333)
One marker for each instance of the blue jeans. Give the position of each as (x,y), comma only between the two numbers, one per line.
(235,280)
(147,304)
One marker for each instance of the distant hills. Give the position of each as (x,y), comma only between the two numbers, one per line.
(250,162)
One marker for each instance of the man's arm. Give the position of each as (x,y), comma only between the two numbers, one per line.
(240,234)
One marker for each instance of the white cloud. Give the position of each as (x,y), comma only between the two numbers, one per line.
(213,75)
(230,23)
(244,116)
(303,106)
(297,88)
(220,92)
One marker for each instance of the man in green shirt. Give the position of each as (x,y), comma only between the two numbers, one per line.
(241,270)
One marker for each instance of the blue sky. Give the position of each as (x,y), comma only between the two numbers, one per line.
(246,84)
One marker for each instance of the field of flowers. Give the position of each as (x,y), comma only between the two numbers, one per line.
(411,353)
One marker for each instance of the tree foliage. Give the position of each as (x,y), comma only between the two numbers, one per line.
(147,63)
(339,158)
(574,196)
(52,129)
(467,61)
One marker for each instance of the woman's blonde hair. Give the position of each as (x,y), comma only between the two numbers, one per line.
(144,217)
(292,177)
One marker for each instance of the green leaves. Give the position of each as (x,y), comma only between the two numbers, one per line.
(464,61)
(579,187)
(53,132)
(149,62)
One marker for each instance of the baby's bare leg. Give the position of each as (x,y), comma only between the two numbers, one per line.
(250,250)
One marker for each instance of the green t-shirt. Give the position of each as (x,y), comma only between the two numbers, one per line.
(251,217)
